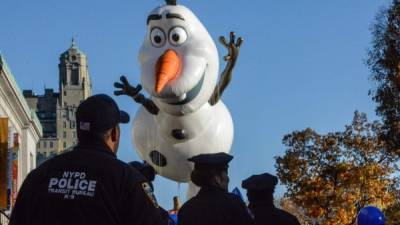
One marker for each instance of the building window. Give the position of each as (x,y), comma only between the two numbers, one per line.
(65,93)
(74,134)
(65,124)
(65,134)
(73,57)
(75,76)
(65,144)
(72,125)
(44,144)
(38,144)
(31,166)
(51,144)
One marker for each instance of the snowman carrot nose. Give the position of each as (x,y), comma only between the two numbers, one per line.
(167,68)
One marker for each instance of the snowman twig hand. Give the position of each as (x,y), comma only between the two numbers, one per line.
(233,47)
(126,89)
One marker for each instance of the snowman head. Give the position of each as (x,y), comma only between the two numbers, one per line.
(179,60)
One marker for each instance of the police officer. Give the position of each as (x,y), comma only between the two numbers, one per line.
(150,174)
(88,185)
(260,190)
(213,205)
(146,170)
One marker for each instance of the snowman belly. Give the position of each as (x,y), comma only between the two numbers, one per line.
(208,130)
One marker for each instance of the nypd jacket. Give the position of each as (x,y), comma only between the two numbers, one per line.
(214,206)
(267,214)
(87,185)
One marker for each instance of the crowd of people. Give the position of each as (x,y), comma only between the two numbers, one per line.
(89,185)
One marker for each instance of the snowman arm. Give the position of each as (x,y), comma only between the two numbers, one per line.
(224,81)
(147,103)
(233,48)
(126,89)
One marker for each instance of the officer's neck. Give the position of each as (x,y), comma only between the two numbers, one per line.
(97,142)
(213,188)
(266,200)
(113,146)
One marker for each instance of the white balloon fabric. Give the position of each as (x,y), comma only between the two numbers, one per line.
(186,125)
(207,130)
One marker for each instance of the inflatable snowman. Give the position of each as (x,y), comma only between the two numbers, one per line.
(184,116)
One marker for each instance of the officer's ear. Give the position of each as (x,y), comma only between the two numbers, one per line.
(115,134)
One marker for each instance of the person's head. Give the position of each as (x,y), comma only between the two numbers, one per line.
(145,169)
(260,188)
(211,170)
(111,137)
(98,118)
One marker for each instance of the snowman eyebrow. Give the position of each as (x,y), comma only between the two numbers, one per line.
(174,16)
(153,17)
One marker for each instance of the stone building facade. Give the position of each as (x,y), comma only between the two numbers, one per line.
(56,110)
(22,130)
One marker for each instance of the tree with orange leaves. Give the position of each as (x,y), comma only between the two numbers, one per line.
(332,176)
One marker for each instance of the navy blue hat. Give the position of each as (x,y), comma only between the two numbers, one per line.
(217,161)
(145,169)
(260,182)
(99,113)
(137,165)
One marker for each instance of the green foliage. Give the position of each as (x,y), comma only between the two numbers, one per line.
(384,63)
(331,176)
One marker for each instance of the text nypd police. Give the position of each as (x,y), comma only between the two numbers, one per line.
(72,184)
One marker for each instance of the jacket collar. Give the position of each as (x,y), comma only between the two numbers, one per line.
(98,146)
(254,206)
(211,189)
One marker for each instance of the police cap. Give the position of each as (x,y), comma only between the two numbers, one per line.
(145,169)
(99,113)
(260,182)
(215,161)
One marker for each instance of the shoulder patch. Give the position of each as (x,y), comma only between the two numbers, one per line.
(150,194)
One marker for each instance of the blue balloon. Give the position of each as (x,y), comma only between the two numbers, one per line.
(174,219)
(370,215)
(237,192)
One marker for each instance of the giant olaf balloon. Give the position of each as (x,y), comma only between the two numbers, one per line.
(184,116)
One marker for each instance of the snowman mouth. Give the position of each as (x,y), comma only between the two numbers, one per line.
(190,95)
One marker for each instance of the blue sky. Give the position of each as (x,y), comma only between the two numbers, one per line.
(301,65)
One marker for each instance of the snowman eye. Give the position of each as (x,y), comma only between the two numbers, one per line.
(157,37)
(177,36)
